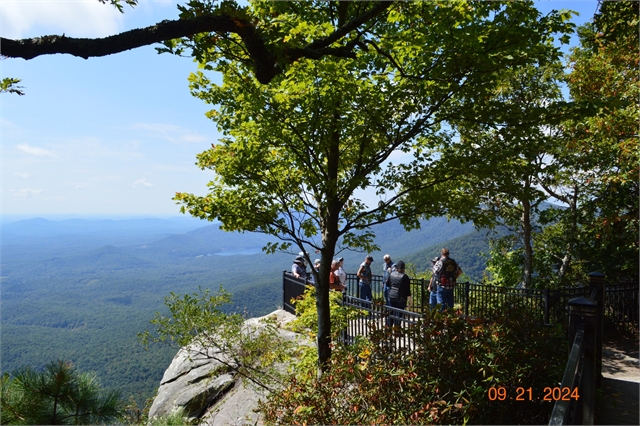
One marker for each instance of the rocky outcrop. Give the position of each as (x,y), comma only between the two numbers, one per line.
(206,389)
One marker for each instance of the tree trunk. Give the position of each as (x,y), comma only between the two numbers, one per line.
(324,310)
(568,255)
(330,221)
(526,242)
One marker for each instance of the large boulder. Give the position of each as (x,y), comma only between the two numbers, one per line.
(207,389)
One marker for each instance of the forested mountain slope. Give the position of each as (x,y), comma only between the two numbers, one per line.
(81,290)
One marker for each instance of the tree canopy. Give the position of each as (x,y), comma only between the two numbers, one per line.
(297,151)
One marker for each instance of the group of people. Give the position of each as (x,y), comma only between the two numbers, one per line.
(337,277)
(396,284)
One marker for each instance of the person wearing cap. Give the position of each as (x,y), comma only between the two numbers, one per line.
(447,271)
(387,268)
(399,292)
(433,285)
(364,278)
(298,268)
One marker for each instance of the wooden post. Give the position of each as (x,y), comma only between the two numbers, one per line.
(582,314)
(596,280)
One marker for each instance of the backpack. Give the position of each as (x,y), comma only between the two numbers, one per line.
(448,273)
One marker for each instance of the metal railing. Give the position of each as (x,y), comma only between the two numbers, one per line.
(418,286)
(292,288)
(374,317)
(620,302)
(481,300)
(576,395)
(575,401)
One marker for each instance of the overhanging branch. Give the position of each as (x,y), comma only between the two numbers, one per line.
(262,59)
(96,47)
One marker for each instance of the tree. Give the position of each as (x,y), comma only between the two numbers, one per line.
(57,395)
(517,148)
(297,151)
(597,226)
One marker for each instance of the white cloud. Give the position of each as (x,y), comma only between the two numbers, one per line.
(170,132)
(81,186)
(142,183)
(56,198)
(174,168)
(23,175)
(193,138)
(25,192)
(32,150)
(79,18)
(94,148)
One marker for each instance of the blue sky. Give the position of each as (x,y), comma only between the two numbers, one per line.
(107,136)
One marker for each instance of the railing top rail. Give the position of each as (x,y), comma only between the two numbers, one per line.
(561,409)
(363,304)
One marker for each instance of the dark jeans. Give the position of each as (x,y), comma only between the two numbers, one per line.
(394,316)
(365,291)
(433,299)
(445,297)
(366,294)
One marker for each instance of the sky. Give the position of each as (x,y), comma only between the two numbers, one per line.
(111,136)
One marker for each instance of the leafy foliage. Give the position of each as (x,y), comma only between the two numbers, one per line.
(444,381)
(118,3)
(10,85)
(606,146)
(177,417)
(197,322)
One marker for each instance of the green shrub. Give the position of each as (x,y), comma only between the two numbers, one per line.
(445,380)
(307,322)
(176,417)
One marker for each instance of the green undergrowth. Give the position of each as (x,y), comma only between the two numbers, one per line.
(444,380)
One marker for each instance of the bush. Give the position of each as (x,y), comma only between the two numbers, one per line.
(445,380)
(307,322)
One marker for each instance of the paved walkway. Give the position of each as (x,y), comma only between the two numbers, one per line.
(617,402)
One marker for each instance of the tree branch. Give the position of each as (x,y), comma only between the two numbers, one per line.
(263,60)
(87,47)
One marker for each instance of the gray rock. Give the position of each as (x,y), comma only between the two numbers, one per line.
(206,388)
(239,408)
(192,381)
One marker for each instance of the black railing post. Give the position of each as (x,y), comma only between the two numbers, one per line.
(546,296)
(422,295)
(467,290)
(596,281)
(582,314)
(284,292)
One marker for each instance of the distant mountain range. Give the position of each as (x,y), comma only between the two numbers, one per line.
(82,289)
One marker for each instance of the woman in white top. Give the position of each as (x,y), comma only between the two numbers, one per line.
(341,274)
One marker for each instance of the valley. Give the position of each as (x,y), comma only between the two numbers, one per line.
(82,290)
